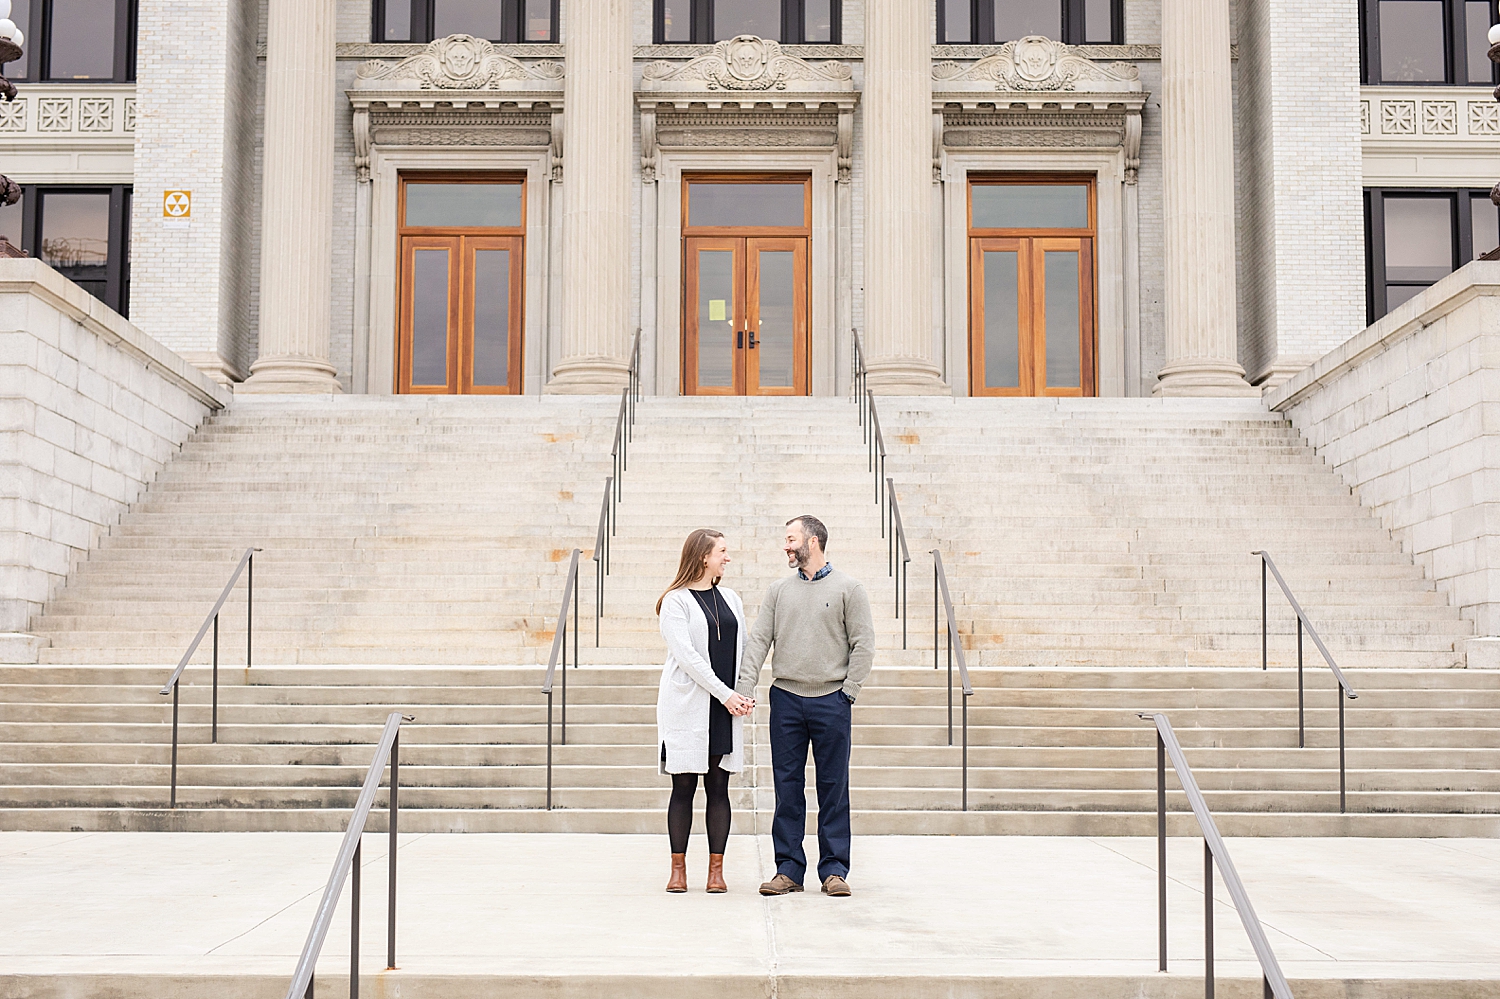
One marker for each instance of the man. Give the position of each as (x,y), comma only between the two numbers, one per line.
(819,622)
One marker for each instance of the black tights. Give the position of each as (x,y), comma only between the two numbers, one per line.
(680,810)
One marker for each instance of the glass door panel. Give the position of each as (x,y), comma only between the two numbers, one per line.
(492,328)
(1001,278)
(1065,335)
(715,316)
(428,314)
(776,341)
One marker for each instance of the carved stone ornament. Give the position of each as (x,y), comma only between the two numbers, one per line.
(746,62)
(458,62)
(1035,63)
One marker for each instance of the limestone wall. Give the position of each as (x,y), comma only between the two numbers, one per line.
(90,410)
(1408,413)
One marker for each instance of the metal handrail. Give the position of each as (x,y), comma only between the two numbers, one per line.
(869,422)
(247,561)
(896,567)
(630,397)
(348,861)
(1345,691)
(1214,852)
(955,644)
(560,645)
(602,535)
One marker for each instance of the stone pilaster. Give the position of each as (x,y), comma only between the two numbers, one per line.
(598,106)
(195,93)
(900,345)
(1198,173)
(296,270)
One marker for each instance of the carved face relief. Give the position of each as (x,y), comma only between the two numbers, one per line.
(460,57)
(1035,59)
(746,57)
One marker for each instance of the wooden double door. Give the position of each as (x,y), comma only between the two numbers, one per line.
(745,315)
(1032,316)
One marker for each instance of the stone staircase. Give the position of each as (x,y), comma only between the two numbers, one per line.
(415,549)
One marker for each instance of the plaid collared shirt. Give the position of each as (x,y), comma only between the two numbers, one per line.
(827,568)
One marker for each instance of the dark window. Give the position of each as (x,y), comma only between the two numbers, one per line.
(1414,238)
(81,232)
(496,20)
(1441,42)
(988,22)
(702,22)
(68,40)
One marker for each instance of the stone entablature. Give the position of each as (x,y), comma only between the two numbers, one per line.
(459,91)
(1428,136)
(747,93)
(1038,93)
(92,126)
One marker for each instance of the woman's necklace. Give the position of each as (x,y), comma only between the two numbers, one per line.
(718,633)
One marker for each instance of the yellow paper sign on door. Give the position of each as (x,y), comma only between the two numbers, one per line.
(716,310)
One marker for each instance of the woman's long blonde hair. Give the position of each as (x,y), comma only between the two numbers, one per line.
(695,552)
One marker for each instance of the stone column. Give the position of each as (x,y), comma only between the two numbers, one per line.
(1198,169)
(900,347)
(296,248)
(597,99)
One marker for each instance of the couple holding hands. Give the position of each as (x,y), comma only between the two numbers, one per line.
(819,622)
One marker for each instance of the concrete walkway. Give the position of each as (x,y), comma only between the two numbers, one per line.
(226,914)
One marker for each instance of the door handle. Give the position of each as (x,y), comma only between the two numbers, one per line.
(739,339)
(751,334)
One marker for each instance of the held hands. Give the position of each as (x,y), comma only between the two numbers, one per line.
(739,705)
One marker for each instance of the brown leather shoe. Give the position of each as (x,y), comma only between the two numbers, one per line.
(716,885)
(837,886)
(780,885)
(678,881)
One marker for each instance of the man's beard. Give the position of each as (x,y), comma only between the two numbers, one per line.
(800,556)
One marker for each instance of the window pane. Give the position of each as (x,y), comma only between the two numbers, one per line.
(777,336)
(1477,25)
(1418,239)
(1019,18)
(81,45)
(397,20)
(492,317)
(715,319)
(1002,320)
(1098,22)
(1030,206)
(1485,219)
(480,18)
(1397,294)
(20,13)
(538,20)
(429,317)
(10,222)
(818,21)
(676,21)
(1411,41)
(957,28)
(458,205)
(747,17)
(746,204)
(75,237)
(1061,304)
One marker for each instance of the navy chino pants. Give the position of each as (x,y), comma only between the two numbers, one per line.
(825,724)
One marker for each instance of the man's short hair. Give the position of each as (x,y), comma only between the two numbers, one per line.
(813,528)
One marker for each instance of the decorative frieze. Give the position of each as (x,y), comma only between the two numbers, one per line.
(456,91)
(87,113)
(55,114)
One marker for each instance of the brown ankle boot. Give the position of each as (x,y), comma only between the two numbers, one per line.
(716,885)
(678,880)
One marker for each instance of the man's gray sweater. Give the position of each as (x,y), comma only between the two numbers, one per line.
(823,633)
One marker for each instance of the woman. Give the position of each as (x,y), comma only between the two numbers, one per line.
(699,717)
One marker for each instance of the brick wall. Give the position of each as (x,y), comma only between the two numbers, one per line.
(90,410)
(1408,413)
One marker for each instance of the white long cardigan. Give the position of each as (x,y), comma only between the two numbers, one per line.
(687,682)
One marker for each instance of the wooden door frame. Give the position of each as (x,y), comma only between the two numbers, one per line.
(691,247)
(404,347)
(801,353)
(469,246)
(1018,245)
(1087,379)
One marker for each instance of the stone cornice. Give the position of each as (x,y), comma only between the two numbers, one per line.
(799,51)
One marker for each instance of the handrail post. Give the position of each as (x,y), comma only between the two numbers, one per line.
(966,752)
(390,903)
(215,736)
(549,750)
(563,624)
(1263,640)
(1161,852)
(176,688)
(950,686)
(905,592)
(1339,693)
(354,923)
(575,620)
(250,611)
(1301,720)
(934,612)
(1208,921)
